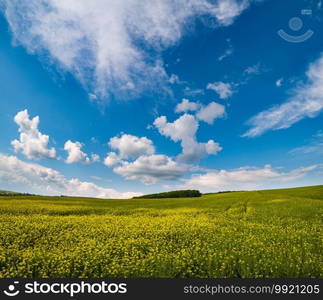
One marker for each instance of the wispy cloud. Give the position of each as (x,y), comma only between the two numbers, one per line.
(243,178)
(98,41)
(306,102)
(224,89)
(315,146)
(228,52)
(254,69)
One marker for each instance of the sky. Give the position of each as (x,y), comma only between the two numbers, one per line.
(115,99)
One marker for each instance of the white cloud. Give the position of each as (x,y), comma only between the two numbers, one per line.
(136,160)
(279,82)
(255,69)
(227,10)
(184,130)
(314,147)
(95,157)
(306,102)
(174,79)
(32,143)
(75,154)
(243,178)
(192,151)
(224,90)
(34,178)
(211,112)
(228,51)
(150,169)
(112,159)
(130,146)
(92,97)
(187,105)
(192,92)
(97,41)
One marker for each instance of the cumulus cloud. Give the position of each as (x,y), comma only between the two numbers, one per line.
(306,102)
(184,127)
(193,151)
(34,178)
(75,154)
(112,159)
(184,130)
(211,112)
(150,169)
(223,89)
(243,178)
(95,157)
(32,143)
(98,41)
(130,146)
(186,106)
(136,160)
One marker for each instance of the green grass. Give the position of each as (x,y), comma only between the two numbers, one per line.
(2,192)
(273,233)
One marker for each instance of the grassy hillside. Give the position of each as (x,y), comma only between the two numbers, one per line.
(11,193)
(273,233)
(2,192)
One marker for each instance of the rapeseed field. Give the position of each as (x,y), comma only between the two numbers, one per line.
(273,233)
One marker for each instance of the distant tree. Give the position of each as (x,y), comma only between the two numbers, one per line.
(172,194)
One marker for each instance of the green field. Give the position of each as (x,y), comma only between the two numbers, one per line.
(274,233)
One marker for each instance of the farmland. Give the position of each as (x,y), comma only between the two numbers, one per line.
(272,233)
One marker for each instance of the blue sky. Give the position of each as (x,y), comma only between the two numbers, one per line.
(115,98)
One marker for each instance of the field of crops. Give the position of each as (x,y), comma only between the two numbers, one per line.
(275,233)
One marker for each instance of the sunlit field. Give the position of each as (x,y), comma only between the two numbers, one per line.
(274,233)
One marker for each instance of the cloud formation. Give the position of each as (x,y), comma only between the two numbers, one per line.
(306,102)
(315,147)
(98,41)
(223,89)
(75,154)
(255,69)
(112,159)
(32,143)
(243,178)
(130,146)
(229,51)
(150,169)
(279,82)
(186,106)
(211,112)
(34,178)
(136,160)
(184,130)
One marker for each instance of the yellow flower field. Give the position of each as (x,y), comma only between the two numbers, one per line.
(274,233)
